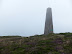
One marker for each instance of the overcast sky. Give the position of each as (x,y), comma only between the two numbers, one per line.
(27,17)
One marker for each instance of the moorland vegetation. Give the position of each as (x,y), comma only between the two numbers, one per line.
(38,44)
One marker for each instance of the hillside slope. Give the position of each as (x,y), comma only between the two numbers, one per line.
(38,44)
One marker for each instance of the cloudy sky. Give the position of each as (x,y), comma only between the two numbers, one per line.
(27,17)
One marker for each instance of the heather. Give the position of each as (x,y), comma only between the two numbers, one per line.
(60,43)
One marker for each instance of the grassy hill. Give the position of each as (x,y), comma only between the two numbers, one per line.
(39,44)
